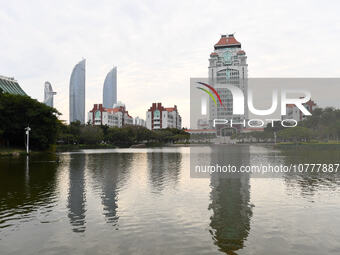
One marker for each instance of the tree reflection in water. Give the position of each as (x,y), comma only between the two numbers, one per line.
(24,192)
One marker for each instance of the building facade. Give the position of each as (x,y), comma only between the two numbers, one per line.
(11,86)
(117,116)
(139,122)
(227,66)
(77,93)
(110,89)
(293,112)
(48,94)
(159,117)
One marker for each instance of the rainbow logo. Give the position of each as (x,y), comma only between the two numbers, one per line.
(210,94)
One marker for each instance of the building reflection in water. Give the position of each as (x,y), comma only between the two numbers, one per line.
(230,200)
(109,172)
(164,169)
(76,195)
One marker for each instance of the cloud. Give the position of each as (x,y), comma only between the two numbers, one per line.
(158,46)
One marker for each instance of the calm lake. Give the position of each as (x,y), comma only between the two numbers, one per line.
(145,201)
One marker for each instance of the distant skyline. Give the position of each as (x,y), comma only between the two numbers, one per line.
(158,46)
(77,93)
(110,89)
(49,94)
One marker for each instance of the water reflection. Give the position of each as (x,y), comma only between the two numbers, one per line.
(25,186)
(312,179)
(76,194)
(109,173)
(164,169)
(230,200)
(145,202)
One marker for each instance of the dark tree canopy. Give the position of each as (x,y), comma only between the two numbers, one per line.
(17,112)
(322,125)
(75,133)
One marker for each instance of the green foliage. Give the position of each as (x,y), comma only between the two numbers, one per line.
(273,127)
(91,135)
(325,123)
(295,134)
(170,135)
(17,112)
(122,137)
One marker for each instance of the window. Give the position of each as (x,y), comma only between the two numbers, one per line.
(97,115)
(156,114)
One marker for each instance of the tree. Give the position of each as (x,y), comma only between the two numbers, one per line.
(325,123)
(91,135)
(295,134)
(123,137)
(17,112)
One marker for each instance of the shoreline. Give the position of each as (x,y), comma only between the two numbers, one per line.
(14,152)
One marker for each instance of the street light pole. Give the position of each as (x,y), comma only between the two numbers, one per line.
(28,129)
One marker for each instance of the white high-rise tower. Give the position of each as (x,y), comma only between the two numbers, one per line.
(77,93)
(48,94)
(228,66)
(110,89)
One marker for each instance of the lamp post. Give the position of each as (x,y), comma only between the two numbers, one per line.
(28,129)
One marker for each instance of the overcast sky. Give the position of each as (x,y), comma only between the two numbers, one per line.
(159,45)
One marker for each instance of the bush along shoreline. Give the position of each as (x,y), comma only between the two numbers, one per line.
(322,128)
(77,136)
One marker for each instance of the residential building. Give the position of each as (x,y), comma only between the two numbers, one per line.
(117,116)
(122,114)
(100,116)
(293,112)
(48,94)
(77,93)
(158,117)
(110,89)
(139,122)
(11,86)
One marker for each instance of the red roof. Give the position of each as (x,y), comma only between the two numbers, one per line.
(226,41)
(170,109)
(98,107)
(241,52)
(118,109)
(158,106)
(113,109)
(213,54)
(309,103)
(200,130)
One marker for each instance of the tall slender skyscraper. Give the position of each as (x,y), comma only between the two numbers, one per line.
(77,93)
(110,89)
(48,94)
